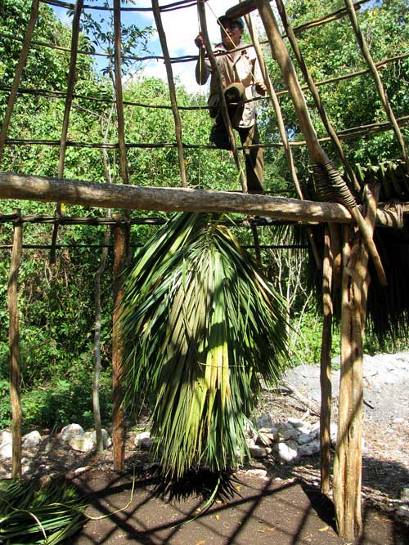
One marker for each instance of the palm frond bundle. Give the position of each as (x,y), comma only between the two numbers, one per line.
(35,514)
(201,327)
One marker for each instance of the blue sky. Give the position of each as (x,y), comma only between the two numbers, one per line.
(181,27)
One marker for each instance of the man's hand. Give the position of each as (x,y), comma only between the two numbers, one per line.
(199,41)
(261,88)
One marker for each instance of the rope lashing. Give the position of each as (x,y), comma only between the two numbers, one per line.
(330,185)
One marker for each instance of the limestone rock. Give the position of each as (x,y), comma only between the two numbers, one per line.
(106,440)
(259,452)
(264,421)
(143,440)
(83,443)
(265,439)
(296,422)
(304,438)
(71,431)
(287,452)
(260,473)
(31,440)
(5,451)
(310,448)
(5,437)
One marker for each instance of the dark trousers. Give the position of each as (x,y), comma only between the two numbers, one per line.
(254,157)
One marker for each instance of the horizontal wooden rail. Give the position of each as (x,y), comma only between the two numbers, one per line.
(36,188)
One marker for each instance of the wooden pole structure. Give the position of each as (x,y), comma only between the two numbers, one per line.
(348,455)
(121,238)
(43,189)
(223,105)
(281,125)
(172,90)
(378,81)
(14,333)
(18,73)
(325,372)
(67,110)
(318,155)
(123,161)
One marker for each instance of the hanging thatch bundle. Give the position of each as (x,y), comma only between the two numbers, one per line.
(202,327)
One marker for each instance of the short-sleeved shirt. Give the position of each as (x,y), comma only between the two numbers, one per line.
(237,66)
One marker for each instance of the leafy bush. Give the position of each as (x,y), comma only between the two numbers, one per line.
(57,404)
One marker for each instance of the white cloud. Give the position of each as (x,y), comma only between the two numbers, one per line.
(181,27)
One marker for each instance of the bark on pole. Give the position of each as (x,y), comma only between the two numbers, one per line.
(325,374)
(14,333)
(121,235)
(348,455)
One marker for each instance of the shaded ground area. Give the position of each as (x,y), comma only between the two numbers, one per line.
(261,512)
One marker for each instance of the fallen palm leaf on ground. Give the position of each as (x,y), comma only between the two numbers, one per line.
(202,328)
(34,514)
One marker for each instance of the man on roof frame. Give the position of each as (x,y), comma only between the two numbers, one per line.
(241,80)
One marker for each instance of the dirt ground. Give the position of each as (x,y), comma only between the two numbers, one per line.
(282,505)
(285,508)
(261,512)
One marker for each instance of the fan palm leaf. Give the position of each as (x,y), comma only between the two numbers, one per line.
(201,328)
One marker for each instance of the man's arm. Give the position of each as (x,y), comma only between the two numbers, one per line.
(202,70)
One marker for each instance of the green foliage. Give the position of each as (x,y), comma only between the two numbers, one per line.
(202,327)
(58,403)
(35,514)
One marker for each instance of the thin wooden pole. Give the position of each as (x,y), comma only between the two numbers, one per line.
(18,73)
(123,162)
(348,454)
(317,154)
(67,110)
(14,333)
(315,94)
(223,105)
(121,237)
(281,126)
(172,90)
(378,81)
(325,372)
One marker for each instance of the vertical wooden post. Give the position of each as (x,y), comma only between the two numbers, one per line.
(18,74)
(172,90)
(121,235)
(14,333)
(325,374)
(123,161)
(348,455)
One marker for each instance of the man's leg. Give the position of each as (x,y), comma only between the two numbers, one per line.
(254,159)
(218,134)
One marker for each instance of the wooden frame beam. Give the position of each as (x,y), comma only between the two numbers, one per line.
(44,189)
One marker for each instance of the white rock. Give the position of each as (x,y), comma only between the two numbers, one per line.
(259,452)
(5,437)
(83,443)
(71,431)
(398,420)
(5,451)
(310,448)
(260,473)
(106,440)
(286,452)
(32,439)
(333,433)
(143,440)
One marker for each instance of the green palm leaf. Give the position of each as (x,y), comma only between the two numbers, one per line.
(202,327)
